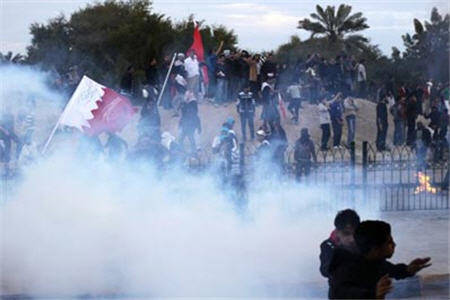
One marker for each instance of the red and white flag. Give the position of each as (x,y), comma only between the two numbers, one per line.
(94,108)
(281,106)
(197,46)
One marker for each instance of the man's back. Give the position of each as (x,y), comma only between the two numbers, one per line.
(354,277)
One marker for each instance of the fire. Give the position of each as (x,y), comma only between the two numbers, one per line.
(424,184)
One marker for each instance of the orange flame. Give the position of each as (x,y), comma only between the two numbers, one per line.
(424,184)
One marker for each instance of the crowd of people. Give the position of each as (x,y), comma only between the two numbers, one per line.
(354,259)
(256,80)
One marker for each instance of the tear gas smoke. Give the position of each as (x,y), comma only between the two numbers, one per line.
(77,227)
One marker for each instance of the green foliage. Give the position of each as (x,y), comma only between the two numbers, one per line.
(335,25)
(103,39)
(9,58)
(427,50)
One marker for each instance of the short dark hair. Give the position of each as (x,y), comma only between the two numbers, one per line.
(371,234)
(346,217)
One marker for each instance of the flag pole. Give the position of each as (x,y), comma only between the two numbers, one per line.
(167,78)
(59,121)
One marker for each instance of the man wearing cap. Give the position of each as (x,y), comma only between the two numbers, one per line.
(264,145)
(246,108)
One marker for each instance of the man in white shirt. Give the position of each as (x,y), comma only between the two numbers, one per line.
(192,68)
(325,120)
(361,77)
(294,92)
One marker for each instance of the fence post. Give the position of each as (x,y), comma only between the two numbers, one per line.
(352,172)
(364,167)
(242,159)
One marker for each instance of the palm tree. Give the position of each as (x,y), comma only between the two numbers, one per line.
(336,26)
(9,58)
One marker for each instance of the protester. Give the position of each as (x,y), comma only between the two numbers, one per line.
(422,144)
(189,121)
(366,275)
(324,120)
(350,109)
(192,68)
(270,111)
(150,121)
(336,112)
(279,143)
(294,93)
(152,74)
(246,110)
(411,117)
(264,147)
(398,111)
(382,123)
(127,82)
(345,224)
(221,75)
(303,153)
(361,78)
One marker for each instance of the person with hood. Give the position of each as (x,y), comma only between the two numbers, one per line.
(270,111)
(189,121)
(303,152)
(367,274)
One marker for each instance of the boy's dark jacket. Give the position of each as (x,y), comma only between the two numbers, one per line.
(351,276)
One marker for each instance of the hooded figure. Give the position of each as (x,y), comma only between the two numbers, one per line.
(303,153)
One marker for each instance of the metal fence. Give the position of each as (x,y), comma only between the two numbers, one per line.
(391,179)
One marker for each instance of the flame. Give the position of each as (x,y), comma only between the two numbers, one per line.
(424,184)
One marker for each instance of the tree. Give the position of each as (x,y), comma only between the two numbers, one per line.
(103,39)
(428,48)
(336,25)
(9,58)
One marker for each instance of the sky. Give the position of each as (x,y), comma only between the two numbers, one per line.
(260,25)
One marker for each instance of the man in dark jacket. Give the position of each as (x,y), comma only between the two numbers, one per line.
(246,108)
(336,111)
(366,275)
(345,224)
(382,123)
(303,153)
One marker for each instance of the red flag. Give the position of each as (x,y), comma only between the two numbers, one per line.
(197,46)
(281,105)
(94,108)
(113,113)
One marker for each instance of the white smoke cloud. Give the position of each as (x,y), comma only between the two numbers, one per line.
(73,227)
